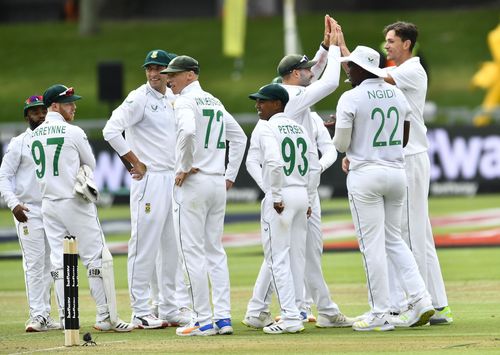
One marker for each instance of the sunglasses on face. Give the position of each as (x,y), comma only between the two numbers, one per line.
(67,92)
(33,99)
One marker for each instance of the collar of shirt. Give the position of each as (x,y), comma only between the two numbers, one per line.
(278,115)
(54,116)
(157,94)
(194,86)
(372,80)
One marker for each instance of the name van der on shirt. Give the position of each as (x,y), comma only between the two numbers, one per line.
(45,130)
(207,101)
(381,94)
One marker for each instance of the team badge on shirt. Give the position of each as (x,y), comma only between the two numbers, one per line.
(26,230)
(147,208)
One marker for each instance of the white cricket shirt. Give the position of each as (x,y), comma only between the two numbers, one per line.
(147,118)
(17,173)
(376,111)
(203,127)
(279,155)
(301,98)
(58,150)
(411,78)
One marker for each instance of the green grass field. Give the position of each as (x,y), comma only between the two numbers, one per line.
(472,279)
(36,56)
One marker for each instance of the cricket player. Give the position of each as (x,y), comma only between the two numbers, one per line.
(286,206)
(147,118)
(20,190)
(409,75)
(201,180)
(369,128)
(299,77)
(58,150)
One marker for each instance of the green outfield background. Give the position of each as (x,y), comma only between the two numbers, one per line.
(35,56)
(472,278)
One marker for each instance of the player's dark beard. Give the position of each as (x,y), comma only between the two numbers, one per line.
(34,125)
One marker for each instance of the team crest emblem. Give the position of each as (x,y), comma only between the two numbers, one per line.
(154,54)
(147,209)
(25,230)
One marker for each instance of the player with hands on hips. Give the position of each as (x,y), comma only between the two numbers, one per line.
(59,149)
(20,190)
(147,118)
(281,169)
(369,129)
(204,128)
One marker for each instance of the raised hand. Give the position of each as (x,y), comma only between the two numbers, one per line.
(328,30)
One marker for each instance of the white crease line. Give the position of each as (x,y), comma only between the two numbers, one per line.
(63,347)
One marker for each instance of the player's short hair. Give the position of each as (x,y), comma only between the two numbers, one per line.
(405,31)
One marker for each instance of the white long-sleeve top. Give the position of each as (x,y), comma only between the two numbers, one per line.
(147,118)
(411,78)
(203,127)
(58,150)
(303,97)
(279,156)
(17,173)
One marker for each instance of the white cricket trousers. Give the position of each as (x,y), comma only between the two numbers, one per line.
(315,284)
(199,209)
(376,197)
(152,238)
(36,261)
(76,217)
(284,243)
(417,231)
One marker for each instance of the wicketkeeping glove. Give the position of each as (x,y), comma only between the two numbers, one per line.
(85,186)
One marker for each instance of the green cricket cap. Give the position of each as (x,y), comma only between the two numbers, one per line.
(60,94)
(271,92)
(33,101)
(158,57)
(292,62)
(182,63)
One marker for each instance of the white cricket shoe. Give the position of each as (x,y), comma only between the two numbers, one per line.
(51,324)
(148,321)
(279,328)
(263,320)
(337,321)
(373,323)
(178,320)
(224,326)
(362,316)
(36,324)
(306,317)
(417,314)
(107,326)
(194,329)
(442,316)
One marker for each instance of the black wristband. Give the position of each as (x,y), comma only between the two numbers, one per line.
(324,47)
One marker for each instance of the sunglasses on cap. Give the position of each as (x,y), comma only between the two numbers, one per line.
(68,92)
(33,99)
(302,60)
